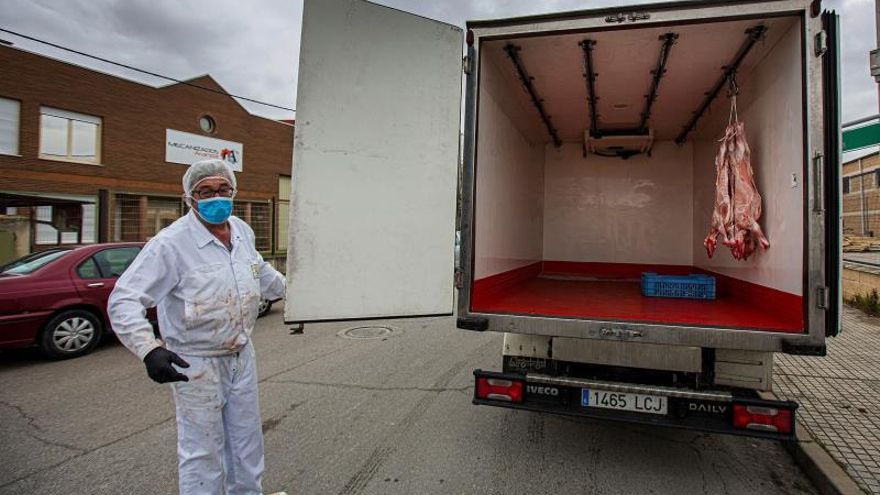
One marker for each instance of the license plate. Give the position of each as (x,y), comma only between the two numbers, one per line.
(652,404)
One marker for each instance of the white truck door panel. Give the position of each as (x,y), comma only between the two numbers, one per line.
(372,213)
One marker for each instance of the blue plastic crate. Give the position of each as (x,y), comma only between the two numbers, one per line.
(695,286)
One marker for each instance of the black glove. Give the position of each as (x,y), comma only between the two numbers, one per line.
(158,363)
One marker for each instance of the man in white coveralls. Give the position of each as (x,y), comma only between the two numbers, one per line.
(206,278)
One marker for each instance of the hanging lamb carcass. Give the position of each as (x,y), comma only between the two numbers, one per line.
(737,201)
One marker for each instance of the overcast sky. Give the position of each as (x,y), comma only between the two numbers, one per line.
(251,47)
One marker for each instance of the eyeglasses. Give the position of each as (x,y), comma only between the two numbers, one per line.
(207,193)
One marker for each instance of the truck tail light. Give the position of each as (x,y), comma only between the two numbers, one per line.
(499,389)
(762,418)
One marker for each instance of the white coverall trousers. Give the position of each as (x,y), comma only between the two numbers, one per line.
(219,432)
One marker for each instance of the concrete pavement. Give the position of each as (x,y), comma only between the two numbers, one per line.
(839,396)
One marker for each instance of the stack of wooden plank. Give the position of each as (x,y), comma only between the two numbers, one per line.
(856,244)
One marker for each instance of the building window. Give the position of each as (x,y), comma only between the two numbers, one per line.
(846,181)
(9,118)
(71,224)
(69,136)
(207,124)
(283,213)
(137,218)
(257,214)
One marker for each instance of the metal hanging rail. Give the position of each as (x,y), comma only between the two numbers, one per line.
(754,34)
(590,77)
(512,53)
(668,40)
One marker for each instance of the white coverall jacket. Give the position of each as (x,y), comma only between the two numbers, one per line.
(207,299)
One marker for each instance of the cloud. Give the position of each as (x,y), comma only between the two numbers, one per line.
(857,38)
(251,48)
(249,51)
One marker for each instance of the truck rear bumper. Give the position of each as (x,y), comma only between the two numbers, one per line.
(712,411)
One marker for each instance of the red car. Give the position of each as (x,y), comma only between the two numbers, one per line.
(57,299)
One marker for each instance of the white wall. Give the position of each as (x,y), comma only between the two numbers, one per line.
(770,106)
(610,210)
(509,183)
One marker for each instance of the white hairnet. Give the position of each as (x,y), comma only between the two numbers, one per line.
(205,169)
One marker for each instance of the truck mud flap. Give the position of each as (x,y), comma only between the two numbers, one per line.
(712,411)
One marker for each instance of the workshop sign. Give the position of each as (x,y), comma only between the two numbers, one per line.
(187,148)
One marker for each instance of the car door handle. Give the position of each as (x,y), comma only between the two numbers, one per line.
(96,284)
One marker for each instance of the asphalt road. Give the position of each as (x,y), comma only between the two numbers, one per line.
(355,416)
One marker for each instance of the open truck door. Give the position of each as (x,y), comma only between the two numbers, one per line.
(372,220)
(832,138)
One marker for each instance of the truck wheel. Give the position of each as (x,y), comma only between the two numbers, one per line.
(70,334)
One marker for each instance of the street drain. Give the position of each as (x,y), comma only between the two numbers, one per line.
(368,332)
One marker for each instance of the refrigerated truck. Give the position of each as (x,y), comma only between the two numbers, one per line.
(587,160)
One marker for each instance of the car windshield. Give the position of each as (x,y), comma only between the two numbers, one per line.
(32,262)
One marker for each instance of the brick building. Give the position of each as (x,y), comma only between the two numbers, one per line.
(861,196)
(88,157)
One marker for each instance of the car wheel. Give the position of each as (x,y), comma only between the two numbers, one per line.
(70,334)
(265,307)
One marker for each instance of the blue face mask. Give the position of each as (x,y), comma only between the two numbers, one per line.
(214,210)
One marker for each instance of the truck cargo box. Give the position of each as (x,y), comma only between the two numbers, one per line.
(589,141)
(561,231)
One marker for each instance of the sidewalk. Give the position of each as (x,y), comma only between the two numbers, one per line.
(840,396)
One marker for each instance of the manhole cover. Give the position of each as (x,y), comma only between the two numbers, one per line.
(368,332)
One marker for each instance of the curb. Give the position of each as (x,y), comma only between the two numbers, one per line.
(827,476)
